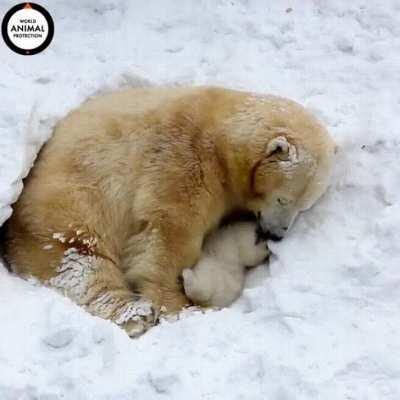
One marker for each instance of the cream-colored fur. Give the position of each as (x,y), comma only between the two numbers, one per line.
(218,278)
(123,194)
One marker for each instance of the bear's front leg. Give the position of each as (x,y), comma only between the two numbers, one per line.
(99,286)
(153,262)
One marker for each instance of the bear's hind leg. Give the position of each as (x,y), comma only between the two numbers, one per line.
(81,269)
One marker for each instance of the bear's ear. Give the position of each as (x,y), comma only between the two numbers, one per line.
(280,147)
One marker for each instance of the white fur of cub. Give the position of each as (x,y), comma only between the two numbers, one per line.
(217,279)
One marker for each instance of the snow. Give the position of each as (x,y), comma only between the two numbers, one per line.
(323,322)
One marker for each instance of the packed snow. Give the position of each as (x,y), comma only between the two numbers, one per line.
(323,321)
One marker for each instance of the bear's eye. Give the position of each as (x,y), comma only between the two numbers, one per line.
(282,201)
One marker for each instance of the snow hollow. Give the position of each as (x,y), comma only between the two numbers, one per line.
(323,322)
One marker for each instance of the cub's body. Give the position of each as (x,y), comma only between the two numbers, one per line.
(217,279)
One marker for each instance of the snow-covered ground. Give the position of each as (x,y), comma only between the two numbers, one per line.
(324,324)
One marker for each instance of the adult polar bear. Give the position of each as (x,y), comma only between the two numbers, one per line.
(123,194)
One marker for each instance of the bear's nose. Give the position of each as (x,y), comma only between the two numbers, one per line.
(273,236)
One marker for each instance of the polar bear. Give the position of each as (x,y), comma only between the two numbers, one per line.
(217,279)
(123,194)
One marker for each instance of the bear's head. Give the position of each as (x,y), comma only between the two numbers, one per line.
(287,180)
(287,163)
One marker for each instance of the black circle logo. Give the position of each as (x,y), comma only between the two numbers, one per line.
(27,28)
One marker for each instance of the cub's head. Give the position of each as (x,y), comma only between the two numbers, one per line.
(290,156)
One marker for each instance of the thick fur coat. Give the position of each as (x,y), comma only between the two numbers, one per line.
(124,193)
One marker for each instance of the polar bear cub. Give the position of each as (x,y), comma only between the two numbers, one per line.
(218,278)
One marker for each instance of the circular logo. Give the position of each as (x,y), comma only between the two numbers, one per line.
(27,28)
